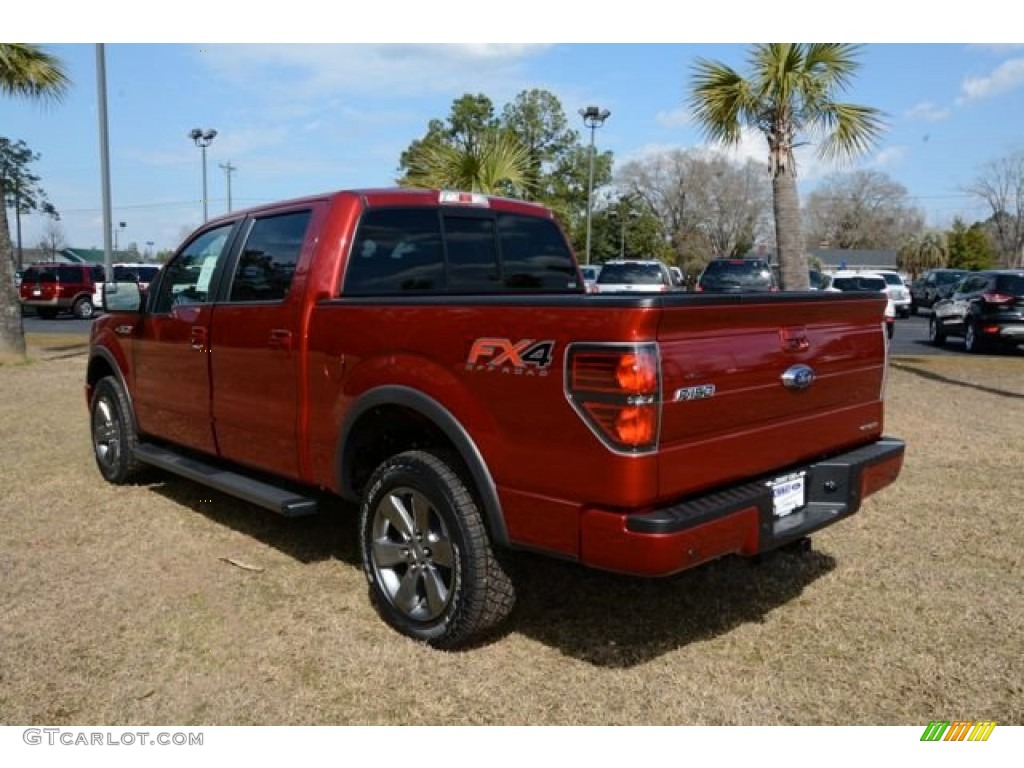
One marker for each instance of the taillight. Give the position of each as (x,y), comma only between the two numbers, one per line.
(998,298)
(616,389)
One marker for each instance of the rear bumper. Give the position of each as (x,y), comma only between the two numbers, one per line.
(55,303)
(737,520)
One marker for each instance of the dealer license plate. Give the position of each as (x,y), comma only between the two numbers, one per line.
(788,493)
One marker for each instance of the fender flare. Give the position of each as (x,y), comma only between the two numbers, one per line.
(441,417)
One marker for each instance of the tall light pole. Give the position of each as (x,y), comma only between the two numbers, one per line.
(203,138)
(593,118)
(228,170)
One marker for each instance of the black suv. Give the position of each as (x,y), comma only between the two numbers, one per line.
(933,285)
(736,275)
(986,308)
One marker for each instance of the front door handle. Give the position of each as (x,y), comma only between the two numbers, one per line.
(280,338)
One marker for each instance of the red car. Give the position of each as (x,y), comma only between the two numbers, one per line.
(51,288)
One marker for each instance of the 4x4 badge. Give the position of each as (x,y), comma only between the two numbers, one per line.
(798,377)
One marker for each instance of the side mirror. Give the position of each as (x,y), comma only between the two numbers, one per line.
(122,297)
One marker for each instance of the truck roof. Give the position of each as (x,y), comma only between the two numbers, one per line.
(383,197)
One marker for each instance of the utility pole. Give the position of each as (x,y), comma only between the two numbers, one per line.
(228,170)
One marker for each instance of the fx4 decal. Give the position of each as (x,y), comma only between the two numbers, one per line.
(526,357)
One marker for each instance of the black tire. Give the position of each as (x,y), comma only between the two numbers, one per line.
(913,307)
(973,342)
(935,333)
(113,432)
(427,558)
(46,313)
(83,308)
(889,329)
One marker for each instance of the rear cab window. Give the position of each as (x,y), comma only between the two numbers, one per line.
(423,250)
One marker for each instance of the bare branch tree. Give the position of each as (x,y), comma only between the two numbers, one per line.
(1001,186)
(710,206)
(53,240)
(863,209)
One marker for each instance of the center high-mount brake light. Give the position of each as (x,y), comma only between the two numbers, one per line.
(616,390)
(452,197)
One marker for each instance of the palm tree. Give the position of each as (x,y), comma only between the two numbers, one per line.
(790,92)
(30,72)
(495,164)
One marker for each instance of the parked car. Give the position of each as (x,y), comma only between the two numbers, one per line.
(867,282)
(816,279)
(735,276)
(142,274)
(985,308)
(51,287)
(932,285)
(678,278)
(897,291)
(590,273)
(634,276)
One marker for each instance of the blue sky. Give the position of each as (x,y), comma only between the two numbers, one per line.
(304,118)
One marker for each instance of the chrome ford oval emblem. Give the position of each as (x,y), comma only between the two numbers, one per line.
(798,377)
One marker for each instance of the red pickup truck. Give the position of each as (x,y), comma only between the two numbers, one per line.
(435,357)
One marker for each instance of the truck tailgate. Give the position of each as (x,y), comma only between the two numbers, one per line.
(757,384)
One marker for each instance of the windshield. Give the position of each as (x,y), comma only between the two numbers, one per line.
(893,279)
(860,283)
(39,275)
(736,272)
(638,274)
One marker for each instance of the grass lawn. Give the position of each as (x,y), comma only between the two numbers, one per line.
(119,605)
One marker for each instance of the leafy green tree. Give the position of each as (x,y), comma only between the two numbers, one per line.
(495,163)
(30,72)
(790,92)
(921,252)
(969,247)
(537,118)
(22,191)
(469,148)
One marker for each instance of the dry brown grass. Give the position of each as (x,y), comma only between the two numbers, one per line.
(116,607)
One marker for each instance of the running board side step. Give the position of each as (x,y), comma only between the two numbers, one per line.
(279,500)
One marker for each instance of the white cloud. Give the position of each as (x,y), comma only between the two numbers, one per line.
(307,72)
(679,117)
(888,157)
(1005,77)
(928,111)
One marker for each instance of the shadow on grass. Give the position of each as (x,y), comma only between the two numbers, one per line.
(933,376)
(618,621)
(601,618)
(331,534)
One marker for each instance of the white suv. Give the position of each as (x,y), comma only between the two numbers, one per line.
(127,272)
(897,290)
(848,280)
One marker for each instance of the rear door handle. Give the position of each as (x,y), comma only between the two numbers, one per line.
(280,338)
(198,337)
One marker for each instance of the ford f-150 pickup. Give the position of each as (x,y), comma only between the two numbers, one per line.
(435,357)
